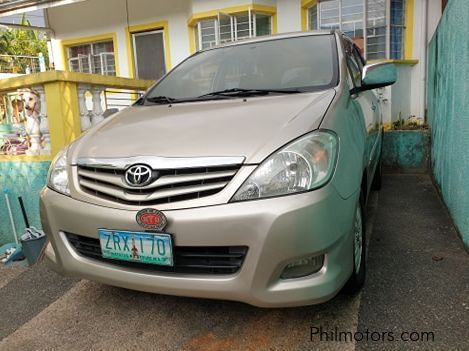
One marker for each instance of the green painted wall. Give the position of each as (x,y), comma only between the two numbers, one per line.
(24,179)
(448,110)
(406,150)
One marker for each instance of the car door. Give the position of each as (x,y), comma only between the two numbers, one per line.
(367,104)
(376,130)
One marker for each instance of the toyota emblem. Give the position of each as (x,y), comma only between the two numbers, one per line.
(138,175)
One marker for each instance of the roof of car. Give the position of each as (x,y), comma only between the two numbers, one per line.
(273,36)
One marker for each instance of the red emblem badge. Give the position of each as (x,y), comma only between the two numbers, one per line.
(149,218)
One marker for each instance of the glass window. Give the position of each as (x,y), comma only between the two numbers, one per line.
(242,26)
(397,29)
(329,17)
(376,30)
(226,28)
(207,33)
(313,17)
(353,64)
(308,63)
(95,58)
(352,20)
(379,39)
(263,25)
(149,54)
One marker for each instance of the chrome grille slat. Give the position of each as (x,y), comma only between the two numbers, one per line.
(113,179)
(117,180)
(157,195)
(170,185)
(166,180)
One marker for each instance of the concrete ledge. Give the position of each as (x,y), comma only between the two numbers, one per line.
(406,151)
(34,79)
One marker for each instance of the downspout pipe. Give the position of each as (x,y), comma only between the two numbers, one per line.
(424,66)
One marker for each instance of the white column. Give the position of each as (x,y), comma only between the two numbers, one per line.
(97,114)
(43,121)
(84,113)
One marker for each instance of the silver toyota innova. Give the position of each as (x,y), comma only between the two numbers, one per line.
(241,175)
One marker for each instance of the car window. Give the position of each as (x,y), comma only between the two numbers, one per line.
(354,65)
(359,57)
(306,62)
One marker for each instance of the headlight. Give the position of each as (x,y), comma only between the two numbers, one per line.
(305,164)
(58,174)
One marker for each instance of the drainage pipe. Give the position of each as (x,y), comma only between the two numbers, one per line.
(10,214)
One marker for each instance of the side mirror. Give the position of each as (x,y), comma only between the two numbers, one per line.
(378,75)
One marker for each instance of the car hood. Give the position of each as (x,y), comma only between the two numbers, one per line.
(253,128)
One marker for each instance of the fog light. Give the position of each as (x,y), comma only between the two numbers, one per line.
(302,267)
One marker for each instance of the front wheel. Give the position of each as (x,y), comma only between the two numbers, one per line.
(357,279)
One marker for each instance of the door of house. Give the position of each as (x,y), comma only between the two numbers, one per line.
(149,55)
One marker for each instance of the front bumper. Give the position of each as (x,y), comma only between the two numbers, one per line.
(276,231)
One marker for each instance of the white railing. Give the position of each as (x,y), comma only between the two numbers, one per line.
(98,102)
(77,101)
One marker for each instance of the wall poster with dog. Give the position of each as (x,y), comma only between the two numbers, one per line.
(24,128)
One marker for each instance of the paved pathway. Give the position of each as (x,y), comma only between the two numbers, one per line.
(418,281)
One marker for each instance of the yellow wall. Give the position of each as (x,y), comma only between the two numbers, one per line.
(62,113)
(305,5)
(409,29)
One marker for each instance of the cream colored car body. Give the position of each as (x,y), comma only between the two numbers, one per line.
(275,230)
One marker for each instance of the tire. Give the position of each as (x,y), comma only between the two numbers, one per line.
(378,177)
(357,279)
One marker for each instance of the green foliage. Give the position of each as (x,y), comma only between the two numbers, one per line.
(23,42)
(411,123)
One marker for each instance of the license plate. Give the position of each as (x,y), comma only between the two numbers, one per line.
(152,248)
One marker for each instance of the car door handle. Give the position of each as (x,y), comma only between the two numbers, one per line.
(373,107)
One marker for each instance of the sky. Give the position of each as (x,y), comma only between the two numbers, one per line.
(35,17)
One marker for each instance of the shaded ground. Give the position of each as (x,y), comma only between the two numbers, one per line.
(9,273)
(27,295)
(97,317)
(418,277)
(408,288)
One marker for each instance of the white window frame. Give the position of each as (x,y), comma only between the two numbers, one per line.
(199,31)
(103,69)
(234,27)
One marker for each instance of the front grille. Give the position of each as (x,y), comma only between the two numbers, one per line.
(170,186)
(187,259)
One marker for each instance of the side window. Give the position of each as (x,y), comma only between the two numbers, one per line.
(359,58)
(354,66)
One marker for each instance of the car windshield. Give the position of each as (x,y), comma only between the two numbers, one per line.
(285,65)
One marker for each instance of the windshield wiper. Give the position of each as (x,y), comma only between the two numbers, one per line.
(227,93)
(161,99)
(250,92)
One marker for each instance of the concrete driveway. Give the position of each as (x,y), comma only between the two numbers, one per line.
(418,283)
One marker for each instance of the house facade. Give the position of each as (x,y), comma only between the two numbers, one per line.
(146,38)
(128,44)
